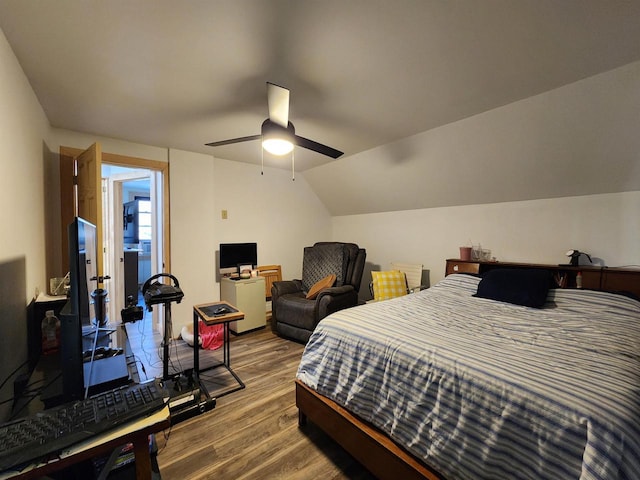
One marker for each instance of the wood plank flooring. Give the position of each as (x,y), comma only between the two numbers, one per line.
(252,433)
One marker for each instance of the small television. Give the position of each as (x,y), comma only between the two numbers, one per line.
(234,254)
(79,310)
(130,222)
(136,220)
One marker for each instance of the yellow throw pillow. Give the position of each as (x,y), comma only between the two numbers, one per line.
(326,282)
(390,284)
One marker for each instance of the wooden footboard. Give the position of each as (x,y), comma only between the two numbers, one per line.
(379,454)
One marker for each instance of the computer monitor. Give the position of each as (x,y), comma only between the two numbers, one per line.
(234,254)
(79,310)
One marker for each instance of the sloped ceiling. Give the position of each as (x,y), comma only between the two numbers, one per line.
(362,73)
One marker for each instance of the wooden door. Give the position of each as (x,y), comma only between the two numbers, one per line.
(86,198)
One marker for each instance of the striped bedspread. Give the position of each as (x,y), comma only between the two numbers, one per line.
(485,389)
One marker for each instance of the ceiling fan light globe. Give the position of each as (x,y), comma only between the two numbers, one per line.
(277,146)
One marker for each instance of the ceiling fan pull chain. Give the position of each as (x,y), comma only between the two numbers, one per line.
(293,165)
(262,161)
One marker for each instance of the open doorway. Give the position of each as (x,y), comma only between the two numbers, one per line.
(133,209)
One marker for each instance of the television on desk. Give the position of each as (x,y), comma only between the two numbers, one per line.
(79,310)
(234,254)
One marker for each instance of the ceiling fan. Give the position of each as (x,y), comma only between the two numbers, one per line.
(278,134)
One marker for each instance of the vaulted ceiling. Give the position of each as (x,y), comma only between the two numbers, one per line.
(362,73)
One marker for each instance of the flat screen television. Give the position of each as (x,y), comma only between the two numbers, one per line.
(234,254)
(130,215)
(136,220)
(79,310)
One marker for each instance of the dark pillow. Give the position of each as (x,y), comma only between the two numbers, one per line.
(519,286)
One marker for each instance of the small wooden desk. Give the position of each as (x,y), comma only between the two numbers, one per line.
(201,312)
(136,432)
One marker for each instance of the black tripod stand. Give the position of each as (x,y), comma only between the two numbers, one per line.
(155,293)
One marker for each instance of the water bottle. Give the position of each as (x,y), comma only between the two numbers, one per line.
(50,333)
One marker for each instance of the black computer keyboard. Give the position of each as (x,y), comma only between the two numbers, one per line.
(48,432)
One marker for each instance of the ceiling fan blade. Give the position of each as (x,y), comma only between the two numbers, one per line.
(233,140)
(278,99)
(317,147)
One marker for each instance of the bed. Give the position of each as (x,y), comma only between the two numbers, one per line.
(443,384)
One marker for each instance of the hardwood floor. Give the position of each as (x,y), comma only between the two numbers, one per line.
(252,433)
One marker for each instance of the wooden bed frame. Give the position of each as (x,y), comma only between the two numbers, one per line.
(375,450)
(378,453)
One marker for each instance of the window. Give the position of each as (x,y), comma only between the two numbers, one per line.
(144,220)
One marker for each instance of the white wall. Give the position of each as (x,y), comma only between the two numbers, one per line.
(192,231)
(579,139)
(605,226)
(23,155)
(23,163)
(69,138)
(281,215)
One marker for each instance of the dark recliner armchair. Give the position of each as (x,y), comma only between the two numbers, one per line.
(293,315)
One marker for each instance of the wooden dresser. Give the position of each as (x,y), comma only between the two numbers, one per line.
(593,277)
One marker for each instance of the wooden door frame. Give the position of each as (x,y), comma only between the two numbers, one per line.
(67,154)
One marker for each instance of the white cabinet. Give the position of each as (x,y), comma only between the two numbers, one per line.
(248,296)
